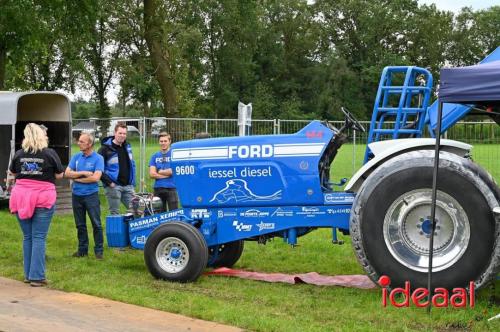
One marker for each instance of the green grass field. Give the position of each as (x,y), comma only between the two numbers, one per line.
(251,305)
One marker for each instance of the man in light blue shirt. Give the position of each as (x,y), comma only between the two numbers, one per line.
(159,169)
(85,169)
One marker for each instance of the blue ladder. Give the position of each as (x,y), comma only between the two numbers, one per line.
(401,104)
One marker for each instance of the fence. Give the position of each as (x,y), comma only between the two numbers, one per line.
(143,135)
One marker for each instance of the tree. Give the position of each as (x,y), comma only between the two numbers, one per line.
(160,54)
(488,27)
(16,31)
(44,62)
(137,79)
(101,49)
(289,57)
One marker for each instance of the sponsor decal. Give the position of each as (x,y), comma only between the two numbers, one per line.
(310,211)
(241,227)
(140,239)
(254,213)
(338,198)
(172,214)
(237,190)
(245,172)
(221,214)
(339,210)
(200,213)
(265,226)
(279,212)
(143,222)
(440,297)
(314,134)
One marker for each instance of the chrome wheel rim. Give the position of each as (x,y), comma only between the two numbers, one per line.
(172,255)
(407,229)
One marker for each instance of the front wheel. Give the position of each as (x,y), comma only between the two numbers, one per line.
(176,251)
(391,225)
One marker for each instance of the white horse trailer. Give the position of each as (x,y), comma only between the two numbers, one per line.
(17,109)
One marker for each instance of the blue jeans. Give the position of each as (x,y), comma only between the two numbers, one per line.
(119,193)
(35,231)
(88,204)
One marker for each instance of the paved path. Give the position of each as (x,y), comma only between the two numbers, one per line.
(26,308)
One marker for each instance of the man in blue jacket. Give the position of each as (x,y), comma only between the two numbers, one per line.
(119,169)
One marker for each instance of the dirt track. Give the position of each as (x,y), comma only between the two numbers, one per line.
(25,308)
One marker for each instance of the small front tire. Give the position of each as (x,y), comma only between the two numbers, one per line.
(176,251)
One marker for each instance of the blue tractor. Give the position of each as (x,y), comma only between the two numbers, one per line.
(255,188)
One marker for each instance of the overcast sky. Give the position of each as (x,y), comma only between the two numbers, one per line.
(455,5)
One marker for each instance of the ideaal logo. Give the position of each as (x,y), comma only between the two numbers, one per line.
(420,296)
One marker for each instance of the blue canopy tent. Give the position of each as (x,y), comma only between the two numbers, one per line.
(454,111)
(475,85)
(479,84)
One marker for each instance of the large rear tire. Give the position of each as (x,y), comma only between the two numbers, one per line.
(225,255)
(176,251)
(390,222)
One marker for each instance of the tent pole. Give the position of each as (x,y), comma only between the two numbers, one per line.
(433,202)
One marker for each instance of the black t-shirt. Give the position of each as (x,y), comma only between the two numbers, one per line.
(41,166)
(123,164)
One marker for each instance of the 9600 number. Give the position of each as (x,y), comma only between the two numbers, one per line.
(184,170)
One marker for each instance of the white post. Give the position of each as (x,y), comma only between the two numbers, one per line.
(244,118)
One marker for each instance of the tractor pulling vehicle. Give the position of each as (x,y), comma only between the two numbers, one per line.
(255,188)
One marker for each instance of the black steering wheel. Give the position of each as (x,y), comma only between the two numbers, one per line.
(351,121)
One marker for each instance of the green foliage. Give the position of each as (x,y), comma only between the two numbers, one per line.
(83,110)
(291,59)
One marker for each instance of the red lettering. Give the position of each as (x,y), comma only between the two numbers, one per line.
(406,293)
(440,299)
(419,294)
(472,294)
(384,282)
(442,294)
(459,298)
(384,297)
(314,134)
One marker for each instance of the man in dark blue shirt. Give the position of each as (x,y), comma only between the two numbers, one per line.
(85,168)
(159,169)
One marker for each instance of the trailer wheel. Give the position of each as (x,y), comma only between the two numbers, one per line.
(390,223)
(225,255)
(176,251)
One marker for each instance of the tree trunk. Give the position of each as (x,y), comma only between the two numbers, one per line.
(146,108)
(103,110)
(3,64)
(160,58)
